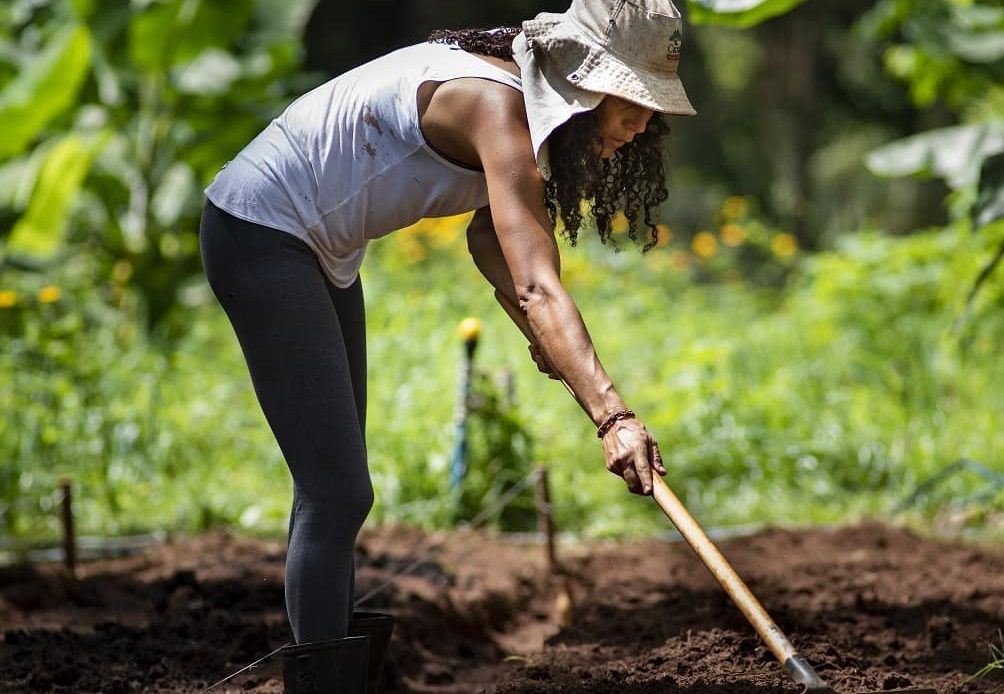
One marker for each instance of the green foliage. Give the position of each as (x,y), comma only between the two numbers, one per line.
(178,86)
(783,387)
(164,34)
(44,89)
(39,231)
(830,396)
(996,662)
(148,439)
(953,53)
(954,154)
(737,13)
(943,49)
(500,451)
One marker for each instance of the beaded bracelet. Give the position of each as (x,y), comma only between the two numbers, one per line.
(613,419)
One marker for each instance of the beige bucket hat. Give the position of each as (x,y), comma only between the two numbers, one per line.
(569,61)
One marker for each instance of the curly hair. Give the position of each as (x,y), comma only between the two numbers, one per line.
(633,180)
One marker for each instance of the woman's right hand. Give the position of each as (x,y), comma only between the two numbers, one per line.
(633,454)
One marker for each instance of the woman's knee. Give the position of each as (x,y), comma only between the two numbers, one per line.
(342,503)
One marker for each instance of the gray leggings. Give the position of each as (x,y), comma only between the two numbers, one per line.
(304,341)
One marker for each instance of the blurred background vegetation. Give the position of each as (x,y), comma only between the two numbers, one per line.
(819,334)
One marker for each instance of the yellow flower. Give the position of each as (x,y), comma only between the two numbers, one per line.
(704,245)
(414,249)
(8,297)
(469,329)
(783,245)
(733,235)
(734,207)
(619,222)
(49,295)
(665,235)
(679,259)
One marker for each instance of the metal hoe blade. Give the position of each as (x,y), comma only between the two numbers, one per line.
(826,689)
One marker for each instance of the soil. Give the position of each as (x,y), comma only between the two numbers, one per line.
(872,607)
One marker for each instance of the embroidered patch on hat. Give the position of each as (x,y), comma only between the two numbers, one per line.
(675,46)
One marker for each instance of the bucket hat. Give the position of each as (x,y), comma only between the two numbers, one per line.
(569,61)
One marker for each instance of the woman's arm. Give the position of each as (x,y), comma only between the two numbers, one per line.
(526,242)
(499,134)
(484,249)
(474,120)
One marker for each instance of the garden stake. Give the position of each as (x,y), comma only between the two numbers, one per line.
(545,518)
(69,536)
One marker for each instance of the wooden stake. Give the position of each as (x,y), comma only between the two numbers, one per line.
(69,539)
(545,517)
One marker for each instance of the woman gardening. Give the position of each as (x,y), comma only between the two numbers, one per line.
(519,125)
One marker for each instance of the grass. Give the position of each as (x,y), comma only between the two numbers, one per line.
(826,398)
(996,662)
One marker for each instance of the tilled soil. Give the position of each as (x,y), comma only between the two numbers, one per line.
(874,608)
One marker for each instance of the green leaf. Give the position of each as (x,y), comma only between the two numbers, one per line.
(213,72)
(737,13)
(177,187)
(989,205)
(978,47)
(167,33)
(953,154)
(39,231)
(43,90)
(82,8)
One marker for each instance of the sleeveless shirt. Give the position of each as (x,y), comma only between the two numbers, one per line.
(347,163)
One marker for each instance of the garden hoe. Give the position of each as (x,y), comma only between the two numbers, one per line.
(794,664)
(743,597)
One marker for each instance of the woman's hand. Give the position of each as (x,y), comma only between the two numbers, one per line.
(632,453)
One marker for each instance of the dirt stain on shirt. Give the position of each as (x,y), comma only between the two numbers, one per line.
(371,120)
(370,150)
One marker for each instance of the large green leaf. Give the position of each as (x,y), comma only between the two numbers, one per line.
(737,13)
(977,47)
(175,31)
(44,89)
(953,154)
(39,231)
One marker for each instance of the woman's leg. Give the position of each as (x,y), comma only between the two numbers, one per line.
(282,310)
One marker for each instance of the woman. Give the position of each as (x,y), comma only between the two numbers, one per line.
(520,126)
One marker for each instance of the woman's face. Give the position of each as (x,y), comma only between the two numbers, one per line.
(620,121)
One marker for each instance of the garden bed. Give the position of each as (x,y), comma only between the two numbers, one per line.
(871,606)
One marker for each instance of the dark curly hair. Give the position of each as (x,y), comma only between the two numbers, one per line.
(632,181)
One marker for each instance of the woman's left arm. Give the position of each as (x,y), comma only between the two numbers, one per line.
(484,249)
(496,129)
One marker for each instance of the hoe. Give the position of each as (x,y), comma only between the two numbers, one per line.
(743,597)
(795,665)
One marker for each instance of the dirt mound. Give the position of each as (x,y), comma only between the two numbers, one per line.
(872,607)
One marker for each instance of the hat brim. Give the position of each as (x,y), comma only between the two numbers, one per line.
(588,66)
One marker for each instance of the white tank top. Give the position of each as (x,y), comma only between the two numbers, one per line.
(347,162)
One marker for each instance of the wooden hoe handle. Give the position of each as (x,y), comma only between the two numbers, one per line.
(740,593)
